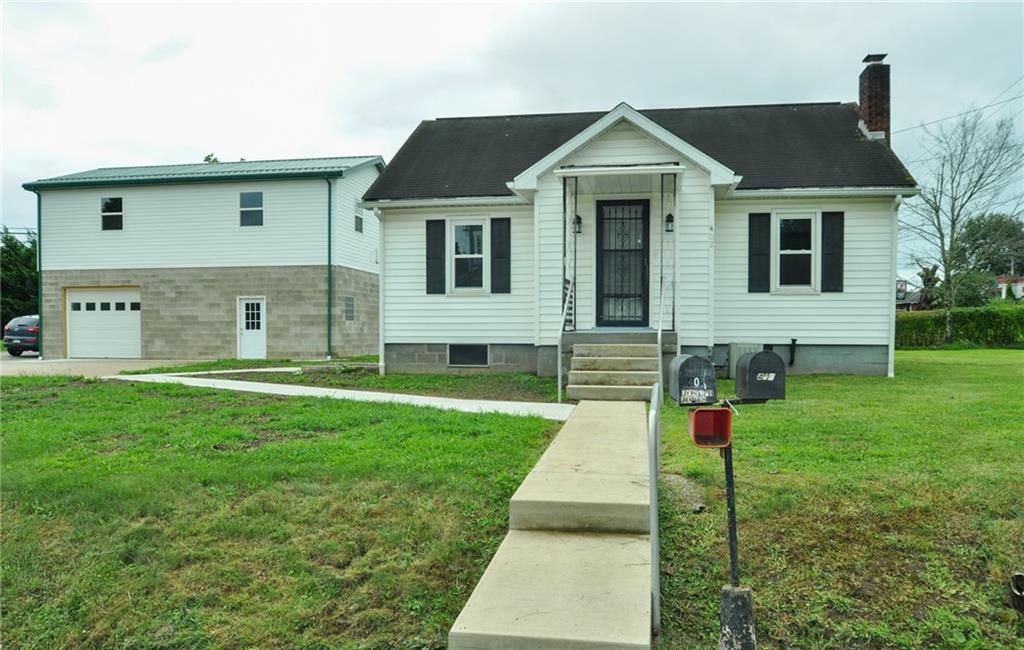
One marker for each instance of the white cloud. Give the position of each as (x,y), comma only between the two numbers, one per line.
(119,84)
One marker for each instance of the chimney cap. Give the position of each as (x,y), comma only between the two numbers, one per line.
(874,58)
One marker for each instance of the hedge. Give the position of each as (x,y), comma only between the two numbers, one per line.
(995,326)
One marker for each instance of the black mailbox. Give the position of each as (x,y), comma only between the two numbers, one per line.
(691,380)
(761,376)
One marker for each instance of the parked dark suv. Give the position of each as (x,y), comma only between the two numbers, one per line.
(21,334)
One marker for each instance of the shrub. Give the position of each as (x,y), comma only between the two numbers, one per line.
(996,326)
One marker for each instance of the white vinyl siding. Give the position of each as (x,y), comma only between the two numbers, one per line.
(413,316)
(858,315)
(197,225)
(358,250)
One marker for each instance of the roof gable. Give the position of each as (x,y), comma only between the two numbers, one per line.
(623,113)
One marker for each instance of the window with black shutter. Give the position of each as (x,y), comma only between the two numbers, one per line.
(501,255)
(435,255)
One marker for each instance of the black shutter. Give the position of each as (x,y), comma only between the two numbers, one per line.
(435,255)
(759,253)
(501,256)
(832,251)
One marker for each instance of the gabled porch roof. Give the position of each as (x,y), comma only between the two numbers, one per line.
(525,183)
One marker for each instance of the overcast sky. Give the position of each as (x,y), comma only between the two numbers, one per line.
(94,85)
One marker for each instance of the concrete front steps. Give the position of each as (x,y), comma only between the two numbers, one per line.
(574,570)
(612,371)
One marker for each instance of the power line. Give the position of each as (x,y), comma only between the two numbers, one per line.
(949,117)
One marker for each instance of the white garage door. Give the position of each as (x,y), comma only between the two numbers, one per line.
(104,323)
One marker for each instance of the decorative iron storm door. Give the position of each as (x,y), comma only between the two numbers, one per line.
(622,253)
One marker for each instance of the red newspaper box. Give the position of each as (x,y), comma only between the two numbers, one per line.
(711,427)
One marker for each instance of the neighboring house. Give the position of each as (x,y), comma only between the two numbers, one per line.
(907,300)
(1010,286)
(251,259)
(506,238)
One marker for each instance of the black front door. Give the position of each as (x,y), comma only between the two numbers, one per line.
(622,250)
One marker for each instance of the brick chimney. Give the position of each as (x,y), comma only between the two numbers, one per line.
(874,96)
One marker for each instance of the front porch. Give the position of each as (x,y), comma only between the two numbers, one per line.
(618,278)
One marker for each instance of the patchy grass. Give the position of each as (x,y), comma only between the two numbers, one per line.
(160,516)
(246,364)
(513,386)
(873,513)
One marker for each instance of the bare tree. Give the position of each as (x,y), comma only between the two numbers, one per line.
(975,169)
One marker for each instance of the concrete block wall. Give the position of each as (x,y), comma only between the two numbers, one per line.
(191,313)
(429,358)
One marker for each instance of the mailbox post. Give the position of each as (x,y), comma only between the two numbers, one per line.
(761,376)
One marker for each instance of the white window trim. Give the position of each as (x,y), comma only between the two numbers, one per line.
(448,357)
(485,223)
(815,216)
(262,207)
(111,214)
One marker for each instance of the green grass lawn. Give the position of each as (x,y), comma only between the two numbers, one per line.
(873,513)
(512,386)
(159,516)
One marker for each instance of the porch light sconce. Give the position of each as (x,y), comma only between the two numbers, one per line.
(577,225)
(670,223)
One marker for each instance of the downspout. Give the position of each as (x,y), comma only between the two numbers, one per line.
(891,369)
(380,292)
(39,269)
(330,265)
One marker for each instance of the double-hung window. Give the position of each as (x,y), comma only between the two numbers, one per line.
(250,206)
(111,213)
(468,254)
(796,245)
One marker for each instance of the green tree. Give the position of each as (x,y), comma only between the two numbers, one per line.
(994,244)
(929,286)
(210,158)
(17,276)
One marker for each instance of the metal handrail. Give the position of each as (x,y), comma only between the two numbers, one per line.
(569,293)
(654,454)
(661,324)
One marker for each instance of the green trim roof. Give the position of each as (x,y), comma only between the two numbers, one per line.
(208,172)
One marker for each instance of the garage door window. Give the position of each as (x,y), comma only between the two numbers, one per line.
(136,306)
(118,306)
(90,306)
(104,306)
(76,306)
(111,213)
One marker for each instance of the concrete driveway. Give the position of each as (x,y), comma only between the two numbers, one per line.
(30,364)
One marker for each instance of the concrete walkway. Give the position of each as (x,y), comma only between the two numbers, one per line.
(574,570)
(557,412)
(29,364)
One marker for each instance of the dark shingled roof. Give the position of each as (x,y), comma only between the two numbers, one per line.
(773,146)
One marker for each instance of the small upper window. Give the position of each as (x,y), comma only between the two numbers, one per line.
(796,251)
(468,256)
(250,206)
(359,223)
(111,213)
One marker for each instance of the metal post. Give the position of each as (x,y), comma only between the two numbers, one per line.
(736,624)
(730,495)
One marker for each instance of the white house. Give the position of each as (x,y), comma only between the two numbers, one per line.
(250,259)
(508,238)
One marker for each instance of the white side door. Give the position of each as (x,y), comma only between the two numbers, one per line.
(104,323)
(252,328)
